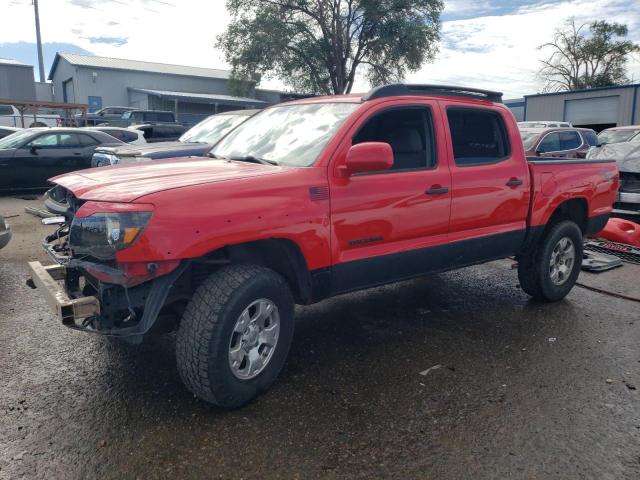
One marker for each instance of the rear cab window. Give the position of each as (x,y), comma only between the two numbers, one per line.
(478,136)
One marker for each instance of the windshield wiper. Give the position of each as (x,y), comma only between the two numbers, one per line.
(251,158)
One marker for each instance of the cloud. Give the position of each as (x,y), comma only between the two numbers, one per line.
(501,51)
(488,43)
(115,41)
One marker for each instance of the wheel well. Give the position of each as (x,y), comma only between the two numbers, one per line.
(574,210)
(281,255)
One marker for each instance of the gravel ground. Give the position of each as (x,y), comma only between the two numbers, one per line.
(457,375)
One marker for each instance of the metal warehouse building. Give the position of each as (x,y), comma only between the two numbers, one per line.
(191,92)
(596,108)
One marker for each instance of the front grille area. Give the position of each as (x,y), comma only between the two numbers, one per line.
(630,182)
(626,253)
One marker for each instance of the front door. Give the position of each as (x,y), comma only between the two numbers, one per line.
(392,225)
(48,155)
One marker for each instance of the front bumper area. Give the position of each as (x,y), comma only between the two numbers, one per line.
(71,312)
(108,309)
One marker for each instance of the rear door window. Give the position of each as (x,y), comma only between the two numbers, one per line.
(113,132)
(128,137)
(570,140)
(87,140)
(479,136)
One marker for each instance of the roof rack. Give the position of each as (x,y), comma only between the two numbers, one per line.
(397,89)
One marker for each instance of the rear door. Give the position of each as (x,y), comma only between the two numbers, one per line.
(393,224)
(87,146)
(490,183)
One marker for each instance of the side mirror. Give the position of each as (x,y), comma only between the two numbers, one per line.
(367,157)
(34,149)
(539,153)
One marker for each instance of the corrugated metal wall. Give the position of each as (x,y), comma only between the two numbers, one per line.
(553,107)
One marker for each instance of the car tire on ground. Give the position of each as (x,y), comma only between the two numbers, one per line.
(37,124)
(550,272)
(235,334)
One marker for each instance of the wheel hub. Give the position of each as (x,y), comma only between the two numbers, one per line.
(254,339)
(562,261)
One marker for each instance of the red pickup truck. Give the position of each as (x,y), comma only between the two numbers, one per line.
(304,201)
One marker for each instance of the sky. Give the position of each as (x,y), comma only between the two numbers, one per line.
(485,43)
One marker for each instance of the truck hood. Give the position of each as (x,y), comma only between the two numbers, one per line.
(151,148)
(626,155)
(125,183)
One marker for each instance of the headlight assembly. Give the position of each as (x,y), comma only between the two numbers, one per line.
(101,235)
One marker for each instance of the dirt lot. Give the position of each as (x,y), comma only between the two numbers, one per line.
(524,390)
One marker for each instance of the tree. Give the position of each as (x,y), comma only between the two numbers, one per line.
(318,46)
(579,60)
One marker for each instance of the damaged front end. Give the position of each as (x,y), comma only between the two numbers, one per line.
(93,292)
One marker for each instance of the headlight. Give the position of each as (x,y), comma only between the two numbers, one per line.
(101,235)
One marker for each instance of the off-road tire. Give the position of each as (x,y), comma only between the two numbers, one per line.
(533,267)
(202,344)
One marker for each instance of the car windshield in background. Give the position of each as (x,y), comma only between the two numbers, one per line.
(14,140)
(617,136)
(528,139)
(213,128)
(292,135)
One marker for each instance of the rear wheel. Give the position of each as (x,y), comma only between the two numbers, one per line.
(37,124)
(549,272)
(235,335)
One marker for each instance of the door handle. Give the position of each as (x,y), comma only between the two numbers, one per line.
(514,182)
(77,154)
(437,190)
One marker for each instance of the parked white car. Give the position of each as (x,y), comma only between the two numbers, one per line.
(127,135)
(10,117)
(545,124)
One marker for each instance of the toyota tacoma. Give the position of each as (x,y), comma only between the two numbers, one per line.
(304,201)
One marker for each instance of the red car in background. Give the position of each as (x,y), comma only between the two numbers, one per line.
(558,142)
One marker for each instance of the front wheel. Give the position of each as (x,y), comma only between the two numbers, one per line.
(235,335)
(550,272)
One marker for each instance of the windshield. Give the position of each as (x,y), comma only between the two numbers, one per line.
(528,139)
(212,129)
(617,136)
(291,135)
(15,139)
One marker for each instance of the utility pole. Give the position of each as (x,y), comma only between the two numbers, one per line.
(39,40)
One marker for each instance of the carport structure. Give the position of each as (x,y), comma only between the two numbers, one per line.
(190,107)
(32,107)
